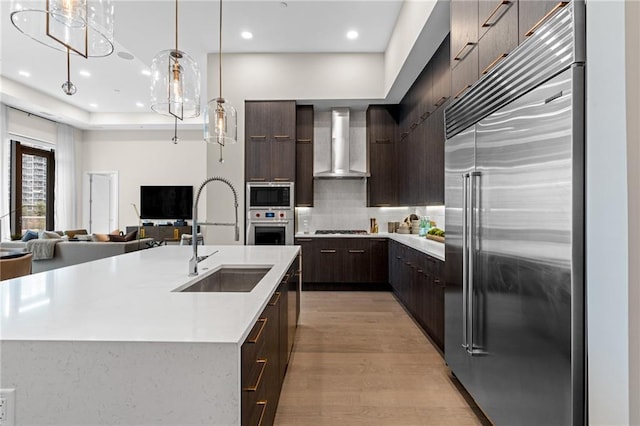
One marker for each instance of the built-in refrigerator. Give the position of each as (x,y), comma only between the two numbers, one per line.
(514,195)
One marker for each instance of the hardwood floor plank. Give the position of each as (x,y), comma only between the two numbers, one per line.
(359,359)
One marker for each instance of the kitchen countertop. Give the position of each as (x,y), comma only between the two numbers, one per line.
(129,298)
(430,247)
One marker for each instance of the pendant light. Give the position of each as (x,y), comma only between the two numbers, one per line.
(175,83)
(80,27)
(221,122)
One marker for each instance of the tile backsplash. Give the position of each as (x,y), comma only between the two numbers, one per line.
(342,204)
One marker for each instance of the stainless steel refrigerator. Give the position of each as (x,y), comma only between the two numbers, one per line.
(514,195)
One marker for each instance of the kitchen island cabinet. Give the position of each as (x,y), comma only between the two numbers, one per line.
(160,356)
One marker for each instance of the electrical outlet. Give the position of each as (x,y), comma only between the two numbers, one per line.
(7,407)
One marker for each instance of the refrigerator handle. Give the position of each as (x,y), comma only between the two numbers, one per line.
(471,347)
(465,260)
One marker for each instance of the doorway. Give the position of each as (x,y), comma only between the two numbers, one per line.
(100,210)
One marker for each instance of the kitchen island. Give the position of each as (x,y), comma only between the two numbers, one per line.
(112,342)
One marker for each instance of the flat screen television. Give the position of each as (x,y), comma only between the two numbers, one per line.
(166,202)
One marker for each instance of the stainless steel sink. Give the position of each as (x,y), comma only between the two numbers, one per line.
(228,279)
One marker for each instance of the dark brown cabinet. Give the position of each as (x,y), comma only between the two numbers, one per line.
(270,148)
(382,131)
(441,75)
(161,232)
(265,353)
(464,29)
(340,261)
(304,156)
(533,13)
(416,280)
(434,137)
(499,19)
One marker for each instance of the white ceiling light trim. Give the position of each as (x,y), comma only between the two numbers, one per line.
(247,35)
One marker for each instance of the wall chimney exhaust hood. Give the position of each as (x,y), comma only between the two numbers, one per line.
(340,167)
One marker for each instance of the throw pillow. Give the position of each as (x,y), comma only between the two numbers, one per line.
(30,235)
(116,238)
(49,235)
(101,238)
(115,232)
(73,232)
(131,235)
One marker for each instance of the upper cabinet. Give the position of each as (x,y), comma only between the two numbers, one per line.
(270,147)
(498,29)
(533,13)
(304,156)
(382,129)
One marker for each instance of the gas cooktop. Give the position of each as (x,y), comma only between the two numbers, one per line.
(343,231)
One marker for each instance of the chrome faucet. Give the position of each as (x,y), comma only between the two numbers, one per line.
(193,262)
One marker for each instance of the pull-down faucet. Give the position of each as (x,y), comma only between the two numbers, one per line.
(193,262)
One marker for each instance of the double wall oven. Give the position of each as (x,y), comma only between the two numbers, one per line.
(270,213)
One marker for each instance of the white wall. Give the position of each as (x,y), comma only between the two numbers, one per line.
(144,157)
(607,255)
(633,163)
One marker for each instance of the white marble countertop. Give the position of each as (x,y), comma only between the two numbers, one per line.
(130,298)
(430,247)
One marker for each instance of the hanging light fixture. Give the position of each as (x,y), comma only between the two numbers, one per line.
(221,122)
(175,83)
(82,27)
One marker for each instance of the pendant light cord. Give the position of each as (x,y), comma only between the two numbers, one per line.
(220,50)
(176,27)
(68,66)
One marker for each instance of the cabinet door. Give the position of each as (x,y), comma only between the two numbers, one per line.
(379,261)
(464,28)
(309,261)
(283,327)
(257,145)
(357,261)
(441,74)
(465,74)
(283,146)
(490,12)
(330,260)
(381,140)
(533,13)
(304,156)
(434,158)
(501,37)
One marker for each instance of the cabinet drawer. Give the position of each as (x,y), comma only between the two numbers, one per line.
(499,40)
(465,74)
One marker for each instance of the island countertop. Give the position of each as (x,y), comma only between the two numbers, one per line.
(130,298)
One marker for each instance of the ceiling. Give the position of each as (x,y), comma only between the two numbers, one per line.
(143,28)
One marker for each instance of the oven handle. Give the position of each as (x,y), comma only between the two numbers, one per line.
(268,222)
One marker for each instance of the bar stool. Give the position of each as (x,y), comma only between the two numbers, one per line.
(187,239)
(15,267)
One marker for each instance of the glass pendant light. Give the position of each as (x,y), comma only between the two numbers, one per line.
(81,27)
(221,121)
(175,83)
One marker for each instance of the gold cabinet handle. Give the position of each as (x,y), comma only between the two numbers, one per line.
(259,179)
(282,137)
(259,379)
(304,239)
(356,251)
(277,296)
(281,179)
(459,55)
(425,115)
(440,102)
(486,21)
(383,141)
(404,135)
(464,89)
(263,322)
(546,17)
(303,140)
(414,125)
(327,251)
(494,63)
(263,404)
(379,239)
(258,137)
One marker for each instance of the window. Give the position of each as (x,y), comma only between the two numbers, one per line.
(32,183)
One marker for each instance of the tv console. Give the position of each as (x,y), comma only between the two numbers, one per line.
(162,233)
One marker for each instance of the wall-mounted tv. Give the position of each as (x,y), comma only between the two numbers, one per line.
(166,202)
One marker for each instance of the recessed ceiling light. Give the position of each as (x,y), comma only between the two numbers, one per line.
(93,105)
(84,73)
(352,35)
(24,73)
(146,72)
(246,35)
(139,104)
(284,4)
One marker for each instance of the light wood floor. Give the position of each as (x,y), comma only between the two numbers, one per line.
(359,359)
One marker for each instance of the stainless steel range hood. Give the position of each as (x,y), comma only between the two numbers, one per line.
(340,167)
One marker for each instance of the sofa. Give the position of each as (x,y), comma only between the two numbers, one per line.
(68,253)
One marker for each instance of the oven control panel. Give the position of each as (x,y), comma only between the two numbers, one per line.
(274,215)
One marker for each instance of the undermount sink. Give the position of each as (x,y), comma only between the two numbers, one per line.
(228,279)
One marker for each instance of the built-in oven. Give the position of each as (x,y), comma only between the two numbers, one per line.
(270,213)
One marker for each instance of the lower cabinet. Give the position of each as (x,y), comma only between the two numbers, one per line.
(416,280)
(266,350)
(344,261)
